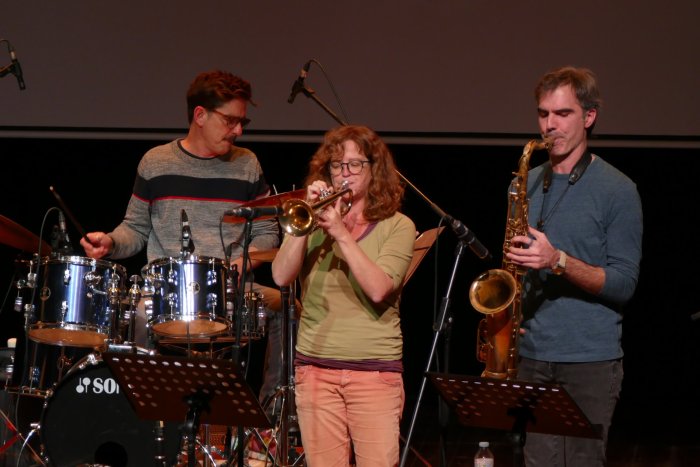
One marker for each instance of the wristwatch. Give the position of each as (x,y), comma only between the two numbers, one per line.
(560,267)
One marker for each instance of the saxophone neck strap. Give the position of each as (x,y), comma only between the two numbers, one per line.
(575,174)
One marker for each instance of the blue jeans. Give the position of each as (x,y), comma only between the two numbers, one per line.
(595,387)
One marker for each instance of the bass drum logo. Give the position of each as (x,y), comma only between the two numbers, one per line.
(88,385)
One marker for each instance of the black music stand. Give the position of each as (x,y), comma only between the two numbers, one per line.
(197,391)
(514,406)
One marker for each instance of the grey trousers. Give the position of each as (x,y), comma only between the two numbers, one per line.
(595,387)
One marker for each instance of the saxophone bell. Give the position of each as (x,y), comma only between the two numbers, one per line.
(493,291)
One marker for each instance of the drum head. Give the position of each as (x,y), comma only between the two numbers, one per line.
(204,326)
(88,420)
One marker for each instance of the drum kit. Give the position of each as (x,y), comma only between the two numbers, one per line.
(61,404)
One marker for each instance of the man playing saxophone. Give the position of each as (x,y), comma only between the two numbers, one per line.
(582,253)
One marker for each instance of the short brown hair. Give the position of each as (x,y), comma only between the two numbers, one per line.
(211,89)
(582,82)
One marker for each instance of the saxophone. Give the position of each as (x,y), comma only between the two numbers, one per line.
(497,292)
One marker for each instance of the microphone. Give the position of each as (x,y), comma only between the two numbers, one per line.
(63,239)
(467,236)
(17,69)
(255,212)
(186,236)
(298,85)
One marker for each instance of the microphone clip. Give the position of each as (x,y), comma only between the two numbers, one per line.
(15,68)
(298,85)
(186,242)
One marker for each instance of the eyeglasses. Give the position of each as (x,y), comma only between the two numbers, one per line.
(354,167)
(232,122)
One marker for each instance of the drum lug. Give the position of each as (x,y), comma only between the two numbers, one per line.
(19,300)
(66,276)
(114,290)
(64,310)
(148,286)
(212,303)
(148,308)
(172,276)
(134,290)
(31,280)
(172,300)
(211,278)
(262,316)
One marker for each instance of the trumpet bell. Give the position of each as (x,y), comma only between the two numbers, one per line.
(297,218)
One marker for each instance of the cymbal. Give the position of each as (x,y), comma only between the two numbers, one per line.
(264,255)
(16,236)
(273,200)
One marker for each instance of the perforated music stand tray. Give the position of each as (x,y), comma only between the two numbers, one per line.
(513,405)
(158,388)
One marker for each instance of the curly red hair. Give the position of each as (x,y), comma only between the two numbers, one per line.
(385,191)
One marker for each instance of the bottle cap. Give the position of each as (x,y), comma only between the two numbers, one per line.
(483,444)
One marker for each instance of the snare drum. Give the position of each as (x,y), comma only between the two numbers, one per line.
(88,421)
(186,297)
(78,301)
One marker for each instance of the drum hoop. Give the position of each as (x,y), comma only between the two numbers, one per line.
(83,261)
(90,360)
(206,260)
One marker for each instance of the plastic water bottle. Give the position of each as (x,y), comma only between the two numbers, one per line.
(484,456)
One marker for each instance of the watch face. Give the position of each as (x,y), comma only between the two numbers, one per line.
(560,267)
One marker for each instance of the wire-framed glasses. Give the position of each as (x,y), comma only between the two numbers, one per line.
(354,167)
(232,122)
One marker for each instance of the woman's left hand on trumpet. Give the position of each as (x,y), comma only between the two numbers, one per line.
(329,218)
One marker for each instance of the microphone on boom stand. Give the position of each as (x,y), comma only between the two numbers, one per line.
(298,84)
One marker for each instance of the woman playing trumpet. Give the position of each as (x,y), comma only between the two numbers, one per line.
(348,368)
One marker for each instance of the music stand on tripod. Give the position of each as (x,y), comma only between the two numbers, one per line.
(514,406)
(165,388)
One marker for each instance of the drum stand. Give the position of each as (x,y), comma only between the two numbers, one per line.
(14,446)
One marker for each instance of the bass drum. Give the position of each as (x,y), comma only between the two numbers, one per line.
(88,420)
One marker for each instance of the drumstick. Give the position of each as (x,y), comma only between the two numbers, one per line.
(75,223)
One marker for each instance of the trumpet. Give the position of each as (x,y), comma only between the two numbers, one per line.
(298,217)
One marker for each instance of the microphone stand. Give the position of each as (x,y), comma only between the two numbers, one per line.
(466,238)
(443,323)
(238,314)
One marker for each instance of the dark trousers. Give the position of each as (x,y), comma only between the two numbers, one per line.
(595,387)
